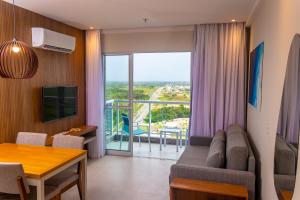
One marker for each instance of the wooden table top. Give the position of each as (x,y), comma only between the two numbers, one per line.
(210,187)
(38,161)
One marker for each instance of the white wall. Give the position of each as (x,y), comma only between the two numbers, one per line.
(275,22)
(163,39)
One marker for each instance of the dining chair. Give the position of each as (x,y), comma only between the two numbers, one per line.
(13,184)
(71,176)
(37,139)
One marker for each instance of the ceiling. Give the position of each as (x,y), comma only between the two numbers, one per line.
(116,14)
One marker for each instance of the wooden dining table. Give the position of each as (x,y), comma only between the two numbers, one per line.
(41,163)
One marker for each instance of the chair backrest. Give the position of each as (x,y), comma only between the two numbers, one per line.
(38,139)
(125,123)
(68,141)
(9,172)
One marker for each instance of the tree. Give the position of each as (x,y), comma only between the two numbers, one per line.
(168,113)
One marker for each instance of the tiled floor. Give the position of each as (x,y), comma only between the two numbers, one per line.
(125,178)
(167,152)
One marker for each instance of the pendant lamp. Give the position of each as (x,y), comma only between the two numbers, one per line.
(17,59)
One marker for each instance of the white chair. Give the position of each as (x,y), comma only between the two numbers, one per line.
(13,184)
(71,176)
(37,139)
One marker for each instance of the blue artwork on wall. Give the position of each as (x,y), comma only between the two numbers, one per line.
(255,79)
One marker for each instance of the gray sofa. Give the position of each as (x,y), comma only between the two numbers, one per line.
(208,159)
(285,164)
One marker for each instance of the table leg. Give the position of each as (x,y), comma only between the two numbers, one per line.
(149,141)
(186,138)
(177,141)
(83,177)
(180,139)
(160,140)
(165,139)
(40,190)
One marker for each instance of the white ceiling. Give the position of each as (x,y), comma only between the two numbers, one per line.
(112,14)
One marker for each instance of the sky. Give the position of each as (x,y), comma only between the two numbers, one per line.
(165,67)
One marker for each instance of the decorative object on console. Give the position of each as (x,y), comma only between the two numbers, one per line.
(255,81)
(86,131)
(17,59)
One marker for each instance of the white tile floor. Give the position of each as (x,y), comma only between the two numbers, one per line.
(168,152)
(125,178)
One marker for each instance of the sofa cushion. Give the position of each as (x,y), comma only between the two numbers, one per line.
(285,158)
(220,135)
(234,128)
(216,154)
(194,155)
(236,150)
(200,141)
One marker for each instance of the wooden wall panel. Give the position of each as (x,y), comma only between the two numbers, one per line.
(20,100)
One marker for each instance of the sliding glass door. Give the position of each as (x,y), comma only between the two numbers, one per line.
(145,94)
(118,104)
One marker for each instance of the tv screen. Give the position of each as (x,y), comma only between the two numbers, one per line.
(59,102)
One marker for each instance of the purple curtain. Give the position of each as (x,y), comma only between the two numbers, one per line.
(289,117)
(218,78)
(95,91)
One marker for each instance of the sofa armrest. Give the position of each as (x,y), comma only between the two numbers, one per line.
(200,141)
(244,178)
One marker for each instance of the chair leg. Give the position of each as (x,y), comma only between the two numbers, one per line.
(22,190)
(139,140)
(79,180)
(121,140)
(79,190)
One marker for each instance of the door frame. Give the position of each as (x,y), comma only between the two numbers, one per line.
(129,107)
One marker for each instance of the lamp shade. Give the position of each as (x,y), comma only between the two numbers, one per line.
(17,60)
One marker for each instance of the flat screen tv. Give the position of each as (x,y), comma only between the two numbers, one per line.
(59,102)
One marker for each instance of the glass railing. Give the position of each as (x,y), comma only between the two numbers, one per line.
(149,117)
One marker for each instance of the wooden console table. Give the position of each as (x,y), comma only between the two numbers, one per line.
(188,189)
(88,132)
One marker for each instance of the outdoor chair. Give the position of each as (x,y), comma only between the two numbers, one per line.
(136,131)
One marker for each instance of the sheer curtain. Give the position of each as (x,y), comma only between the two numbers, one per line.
(218,78)
(95,90)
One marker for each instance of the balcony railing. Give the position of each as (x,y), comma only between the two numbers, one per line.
(113,125)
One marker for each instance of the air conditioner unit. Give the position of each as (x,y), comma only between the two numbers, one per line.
(51,40)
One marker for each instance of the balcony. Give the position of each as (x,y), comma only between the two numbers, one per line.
(151,117)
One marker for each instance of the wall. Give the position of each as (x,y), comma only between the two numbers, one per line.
(275,22)
(20,100)
(145,40)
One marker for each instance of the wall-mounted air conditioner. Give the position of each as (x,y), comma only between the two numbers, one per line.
(51,40)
